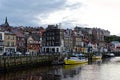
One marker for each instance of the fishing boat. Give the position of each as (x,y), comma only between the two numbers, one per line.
(75,59)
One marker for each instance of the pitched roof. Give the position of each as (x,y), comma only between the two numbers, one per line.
(35,36)
(18,33)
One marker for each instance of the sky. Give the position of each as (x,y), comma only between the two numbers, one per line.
(104,14)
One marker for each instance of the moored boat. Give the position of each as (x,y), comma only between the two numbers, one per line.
(96,56)
(109,55)
(75,60)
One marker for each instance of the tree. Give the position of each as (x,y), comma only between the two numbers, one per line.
(108,39)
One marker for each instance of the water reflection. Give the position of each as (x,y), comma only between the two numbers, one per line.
(71,70)
(33,74)
(107,69)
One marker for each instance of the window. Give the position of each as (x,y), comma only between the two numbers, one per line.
(53,38)
(49,43)
(53,33)
(52,43)
(12,37)
(57,49)
(18,38)
(8,37)
(1,43)
(0,36)
(53,49)
(19,44)
(12,43)
(30,41)
(8,44)
(47,38)
(22,39)
(44,50)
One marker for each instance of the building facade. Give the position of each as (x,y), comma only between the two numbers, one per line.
(68,40)
(77,42)
(52,40)
(20,40)
(9,42)
(33,44)
(1,42)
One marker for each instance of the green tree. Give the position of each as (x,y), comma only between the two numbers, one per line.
(108,39)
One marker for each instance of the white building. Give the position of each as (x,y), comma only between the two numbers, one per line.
(1,42)
(115,46)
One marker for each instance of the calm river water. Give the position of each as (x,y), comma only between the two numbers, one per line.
(108,69)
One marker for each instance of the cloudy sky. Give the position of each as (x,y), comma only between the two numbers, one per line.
(103,14)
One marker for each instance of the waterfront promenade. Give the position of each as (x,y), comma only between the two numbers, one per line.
(22,61)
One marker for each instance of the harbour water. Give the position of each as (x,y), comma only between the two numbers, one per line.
(107,69)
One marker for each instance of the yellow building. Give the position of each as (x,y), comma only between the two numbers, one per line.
(9,42)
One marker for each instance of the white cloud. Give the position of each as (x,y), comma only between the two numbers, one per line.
(104,14)
(63,15)
(22,12)
(96,13)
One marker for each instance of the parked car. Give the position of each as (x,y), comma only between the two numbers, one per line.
(7,54)
(18,53)
(27,53)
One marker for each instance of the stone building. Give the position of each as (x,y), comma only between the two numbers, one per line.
(20,40)
(33,43)
(68,40)
(1,42)
(77,42)
(9,42)
(52,40)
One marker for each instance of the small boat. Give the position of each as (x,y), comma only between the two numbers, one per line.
(74,59)
(96,56)
(109,55)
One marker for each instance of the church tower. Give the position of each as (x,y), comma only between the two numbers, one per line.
(6,22)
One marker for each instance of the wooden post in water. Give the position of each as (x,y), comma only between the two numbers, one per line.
(8,61)
(26,59)
(0,61)
(4,62)
(15,60)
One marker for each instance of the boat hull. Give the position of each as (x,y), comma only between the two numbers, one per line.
(74,62)
(96,57)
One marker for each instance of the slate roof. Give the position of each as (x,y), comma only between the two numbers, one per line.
(18,33)
(35,36)
(7,32)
